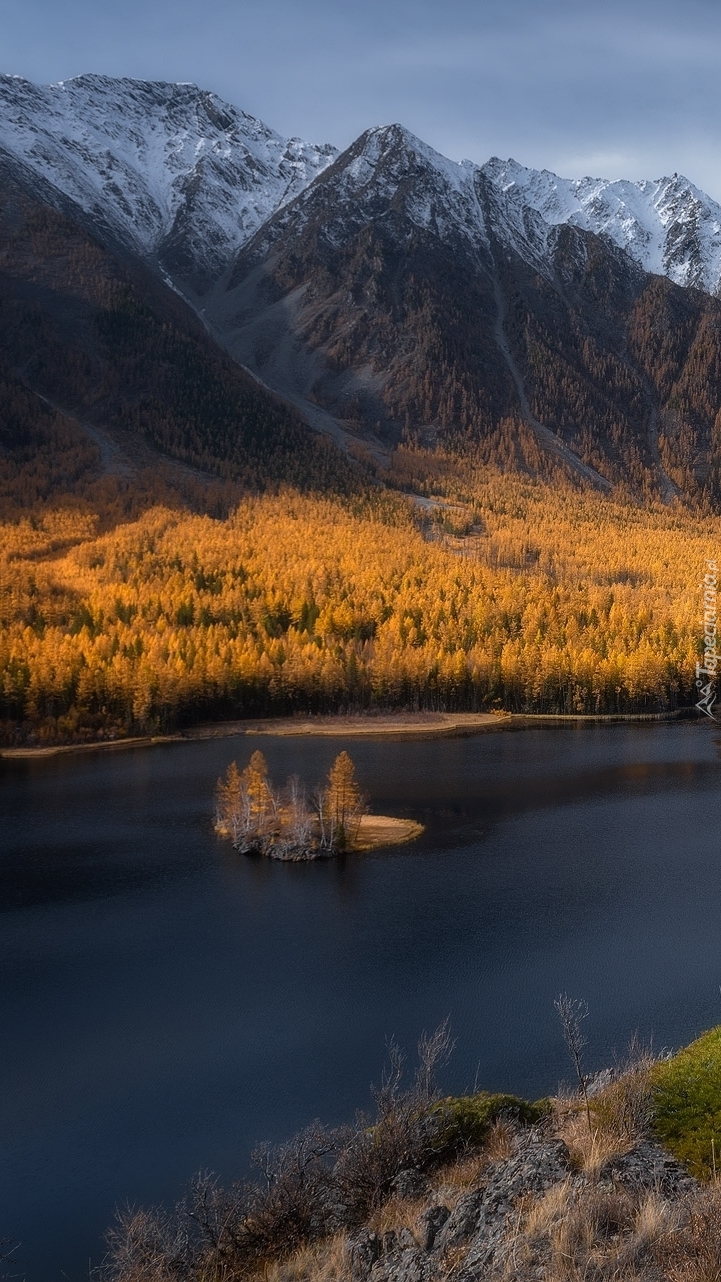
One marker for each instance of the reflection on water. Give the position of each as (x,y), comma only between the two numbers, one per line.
(166,1003)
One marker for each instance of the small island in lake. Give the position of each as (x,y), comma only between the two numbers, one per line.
(289,824)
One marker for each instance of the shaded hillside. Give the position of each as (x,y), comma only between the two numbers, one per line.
(109,346)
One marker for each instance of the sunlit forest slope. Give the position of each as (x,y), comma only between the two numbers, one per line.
(486,590)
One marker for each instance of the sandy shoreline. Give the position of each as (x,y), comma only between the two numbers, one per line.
(401,725)
(381,830)
(405,724)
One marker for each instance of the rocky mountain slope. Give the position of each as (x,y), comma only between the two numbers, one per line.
(669,227)
(176,173)
(102,368)
(401,293)
(549,323)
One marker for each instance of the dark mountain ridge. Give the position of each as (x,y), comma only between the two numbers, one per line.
(463,322)
(92,342)
(384,294)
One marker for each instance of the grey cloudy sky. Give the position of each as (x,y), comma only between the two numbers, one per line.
(613,88)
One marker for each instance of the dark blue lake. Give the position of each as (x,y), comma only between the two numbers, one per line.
(165,1003)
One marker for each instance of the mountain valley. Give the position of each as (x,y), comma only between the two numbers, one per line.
(283,429)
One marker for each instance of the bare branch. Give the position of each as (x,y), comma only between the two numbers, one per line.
(571,1012)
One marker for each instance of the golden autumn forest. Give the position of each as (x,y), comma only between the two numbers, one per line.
(487,590)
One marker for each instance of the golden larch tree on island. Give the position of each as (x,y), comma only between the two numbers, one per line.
(341,805)
(246,805)
(227,800)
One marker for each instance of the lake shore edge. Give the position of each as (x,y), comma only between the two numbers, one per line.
(408,725)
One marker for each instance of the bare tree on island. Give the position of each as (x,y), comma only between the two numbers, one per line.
(300,820)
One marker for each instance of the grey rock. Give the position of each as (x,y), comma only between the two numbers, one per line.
(482,1215)
(648,1166)
(402,1260)
(431,1221)
(406,1266)
(410,1183)
(463,1221)
(363,1251)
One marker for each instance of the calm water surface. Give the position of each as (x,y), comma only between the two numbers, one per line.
(164,1003)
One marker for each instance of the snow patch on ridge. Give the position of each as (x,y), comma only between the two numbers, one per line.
(155,160)
(668,225)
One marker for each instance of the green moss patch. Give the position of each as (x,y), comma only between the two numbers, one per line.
(687,1103)
(471,1116)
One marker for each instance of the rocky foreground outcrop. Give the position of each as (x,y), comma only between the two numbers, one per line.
(505,1225)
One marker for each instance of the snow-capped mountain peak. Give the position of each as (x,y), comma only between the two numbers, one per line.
(668,225)
(184,179)
(168,168)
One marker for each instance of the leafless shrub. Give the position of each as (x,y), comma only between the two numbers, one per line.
(148,1246)
(219,1230)
(296,1203)
(318,1182)
(407,1133)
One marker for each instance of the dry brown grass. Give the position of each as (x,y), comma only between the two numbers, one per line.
(620,1115)
(573,1234)
(323,1262)
(498,1146)
(590,1150)
(397,1213)
(452,1181)
(625,1106)
(449,1266)
(569,1234)
(463,1173)
(547,1212)
(655,1219)
(694,1253)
